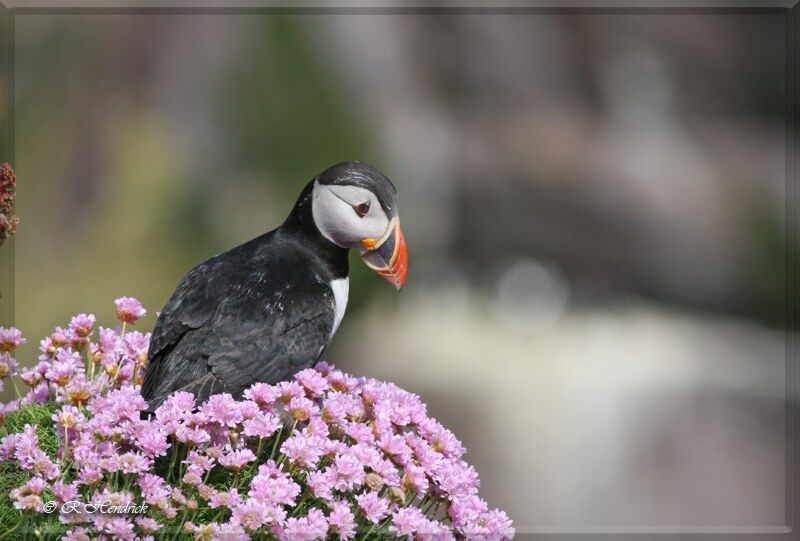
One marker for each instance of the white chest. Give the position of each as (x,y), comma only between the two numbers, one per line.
(341,289)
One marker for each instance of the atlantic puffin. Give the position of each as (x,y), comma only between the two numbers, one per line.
(268,308)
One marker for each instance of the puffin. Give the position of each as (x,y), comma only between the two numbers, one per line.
(268,308)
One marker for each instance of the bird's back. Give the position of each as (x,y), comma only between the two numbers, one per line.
(259,312)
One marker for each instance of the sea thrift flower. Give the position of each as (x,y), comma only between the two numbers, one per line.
(228,499)
(302,408)
(129,309)
(222,409)
(133,463)
(342,521)
(408,521)
(303,449)
(314,383)
(311,527)
(65,367)
(8,365)
(323,455)
(262,425)
(263,394)
(82,325)
(250,514)
(78,391)
(373,506)
(236,460)
(10,339)
(148,525)
(31,377)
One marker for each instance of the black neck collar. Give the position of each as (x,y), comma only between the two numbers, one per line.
(300,225)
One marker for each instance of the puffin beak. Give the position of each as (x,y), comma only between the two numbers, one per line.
(388,256)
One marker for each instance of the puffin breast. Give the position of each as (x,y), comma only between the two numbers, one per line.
(341,289)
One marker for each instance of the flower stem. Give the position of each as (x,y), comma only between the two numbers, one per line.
(16,389)
(275,445)
(174,456)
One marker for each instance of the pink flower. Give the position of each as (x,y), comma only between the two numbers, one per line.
(457,478)
(30,502)
(353,440)
(338,406)
(361,433)
(202,462)
(69,417)
(8,366)
(133,463)
(277,489)
(129,309)
(236,460)
(302,408)
(195,436)
(222,409)
(373,506)
(152,441)
(118,528)
(440,438)
(77,534)
(303,449)
(309,528)
(136,345)
(348,471)
(250,514)
(81,326)
(498,525)
(321,484)
(78,391)
(262,425)
(415,479)
(407,521)
(467,510)
(109,341)
(10,339)
(229,499)
(263,394)
(148,525)
(90,474)
(342,521)
(31,377)
(192,478)
(341,381)
(313,381)
(67,364)
(65,492)
(289,390)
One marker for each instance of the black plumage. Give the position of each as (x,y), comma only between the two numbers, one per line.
(259,312)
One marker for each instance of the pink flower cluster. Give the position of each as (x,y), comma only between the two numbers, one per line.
(324,455)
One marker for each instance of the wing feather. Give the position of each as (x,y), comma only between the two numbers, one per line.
(229,325)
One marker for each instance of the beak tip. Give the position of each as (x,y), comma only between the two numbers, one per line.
(395,268)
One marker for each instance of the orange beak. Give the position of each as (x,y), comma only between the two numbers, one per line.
(388,256)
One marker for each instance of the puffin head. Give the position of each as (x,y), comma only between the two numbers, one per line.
(355,206)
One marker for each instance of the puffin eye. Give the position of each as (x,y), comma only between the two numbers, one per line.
(362,209)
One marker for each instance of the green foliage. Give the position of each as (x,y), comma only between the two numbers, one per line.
(12,521)
(11,477)
(39,416)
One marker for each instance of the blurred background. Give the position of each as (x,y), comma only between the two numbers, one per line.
(594,205)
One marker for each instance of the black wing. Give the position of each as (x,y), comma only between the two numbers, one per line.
(238,319)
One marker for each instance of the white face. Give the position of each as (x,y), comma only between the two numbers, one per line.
(346,215)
